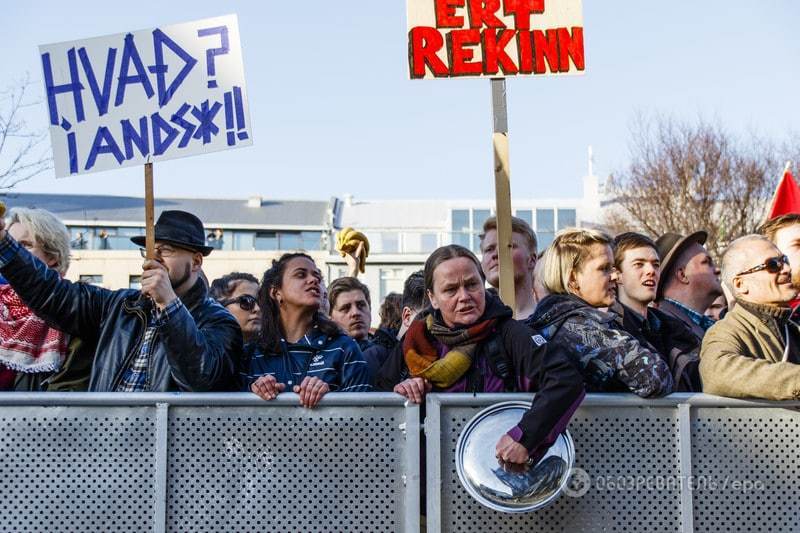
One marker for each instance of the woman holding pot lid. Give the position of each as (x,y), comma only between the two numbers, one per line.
(468,342)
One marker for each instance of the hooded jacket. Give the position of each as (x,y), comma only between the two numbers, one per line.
(194,349)
(610,359)
(533,364)
(670,337)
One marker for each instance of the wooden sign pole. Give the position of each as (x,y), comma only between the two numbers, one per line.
(149,214)
(502,191)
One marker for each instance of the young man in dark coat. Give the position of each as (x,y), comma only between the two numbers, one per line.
(639,268)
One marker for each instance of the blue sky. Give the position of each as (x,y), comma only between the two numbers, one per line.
(333,110)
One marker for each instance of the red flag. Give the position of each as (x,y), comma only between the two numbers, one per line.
(787,197)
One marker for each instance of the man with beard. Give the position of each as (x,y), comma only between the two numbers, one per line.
(167,336)
(639,268)
(689,280)
(784,232)
(523,257)
(754,351)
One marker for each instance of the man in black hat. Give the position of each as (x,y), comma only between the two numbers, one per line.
(168,336)
(689,280)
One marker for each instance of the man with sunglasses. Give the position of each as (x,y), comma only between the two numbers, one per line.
(168,336)
(754,351)
(784,232)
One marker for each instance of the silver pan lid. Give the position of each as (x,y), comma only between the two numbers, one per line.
(513,490)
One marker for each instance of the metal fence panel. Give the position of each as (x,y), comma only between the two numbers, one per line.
(207,462)
(746,469)
(257,468)
(611,445)
(687,462)
(84,468)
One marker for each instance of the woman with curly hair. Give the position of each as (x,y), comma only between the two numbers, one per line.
(299,348)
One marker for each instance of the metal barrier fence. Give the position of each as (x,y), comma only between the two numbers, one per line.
(231,462)
(685,463)
(207,462)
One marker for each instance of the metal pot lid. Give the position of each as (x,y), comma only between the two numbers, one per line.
(518,490)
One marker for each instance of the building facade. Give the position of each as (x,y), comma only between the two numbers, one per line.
(248,234)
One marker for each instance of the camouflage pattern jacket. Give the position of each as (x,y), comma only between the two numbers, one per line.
(610,359)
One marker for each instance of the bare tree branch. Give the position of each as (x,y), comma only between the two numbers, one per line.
(21,153)
(685,177)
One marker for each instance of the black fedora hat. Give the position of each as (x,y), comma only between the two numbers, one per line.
(181,229)
(670,246)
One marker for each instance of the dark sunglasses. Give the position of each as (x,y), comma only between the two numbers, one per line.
(245,301)
(773,265)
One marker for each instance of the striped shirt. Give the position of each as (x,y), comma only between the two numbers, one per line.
(336,360)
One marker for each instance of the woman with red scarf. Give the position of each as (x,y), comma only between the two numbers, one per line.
(30,350)
(468,342)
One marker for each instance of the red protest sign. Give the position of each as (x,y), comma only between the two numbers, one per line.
(494,38)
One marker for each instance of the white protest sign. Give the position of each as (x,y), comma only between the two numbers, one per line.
(150,95)
(494,38)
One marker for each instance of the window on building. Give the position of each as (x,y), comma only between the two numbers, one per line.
(375,242)
(115,238)
(266,240)
(460,227)
(392,280)
(135,282)
(526,215)
(312,240)
(91,279)
(566,218)
(545,227)
(216,239)
(428,242)
(479,216)
(390,242)
(244,240)
(337,272)
(460,220)
(80,238)
(415,242)
(289,241)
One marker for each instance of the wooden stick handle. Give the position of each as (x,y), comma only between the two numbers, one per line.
(149,214)
(502,191)
(502,183)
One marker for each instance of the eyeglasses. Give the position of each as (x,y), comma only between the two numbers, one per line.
(162,251)
(245,301)
(773,265)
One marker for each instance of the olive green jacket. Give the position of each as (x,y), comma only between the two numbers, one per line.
(745,354)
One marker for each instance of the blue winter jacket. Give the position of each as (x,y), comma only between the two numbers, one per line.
(335,359)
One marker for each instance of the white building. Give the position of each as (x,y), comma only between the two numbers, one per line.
(256,230)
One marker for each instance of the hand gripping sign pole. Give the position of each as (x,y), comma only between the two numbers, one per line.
(502,191)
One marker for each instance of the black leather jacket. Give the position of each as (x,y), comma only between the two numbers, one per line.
(194,351)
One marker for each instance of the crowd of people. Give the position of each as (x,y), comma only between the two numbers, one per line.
(592,313)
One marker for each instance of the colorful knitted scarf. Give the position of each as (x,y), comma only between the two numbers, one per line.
(27,344)
(422,356)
